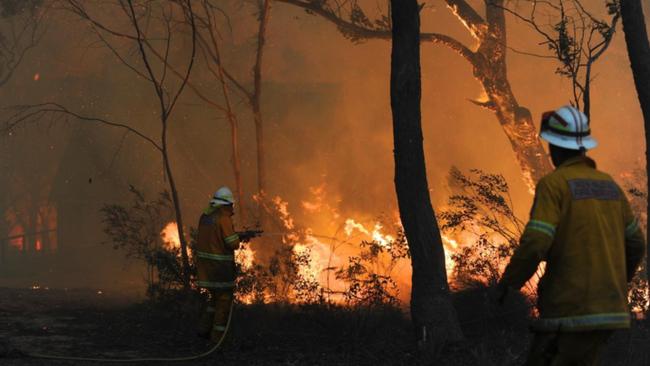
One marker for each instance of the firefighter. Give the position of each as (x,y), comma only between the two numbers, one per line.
(582,226)
(216,243)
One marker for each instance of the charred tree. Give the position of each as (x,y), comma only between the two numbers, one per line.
(434,317)
(638,49)
(488,63)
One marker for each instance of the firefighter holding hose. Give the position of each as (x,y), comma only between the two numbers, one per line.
(215,262)
(582,226)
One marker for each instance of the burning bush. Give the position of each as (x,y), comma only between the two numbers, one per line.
(481,211)
(303,269)
(368,276)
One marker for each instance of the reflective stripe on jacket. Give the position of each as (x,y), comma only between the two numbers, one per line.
(582,226)
(215,246)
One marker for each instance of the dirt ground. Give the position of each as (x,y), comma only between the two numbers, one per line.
(92,324)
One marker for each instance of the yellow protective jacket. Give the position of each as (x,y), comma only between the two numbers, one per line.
(215,247)
(582,226)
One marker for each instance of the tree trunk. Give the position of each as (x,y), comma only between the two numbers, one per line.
(433,315)
(638,49)
(255,101)
(490,68)
(177,208)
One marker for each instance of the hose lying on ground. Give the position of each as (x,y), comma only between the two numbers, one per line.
(133,360)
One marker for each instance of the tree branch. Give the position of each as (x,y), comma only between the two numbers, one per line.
(25,113)
(361,32)
(469,17)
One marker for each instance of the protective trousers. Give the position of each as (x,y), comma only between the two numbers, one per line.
(568,348)
(216,316)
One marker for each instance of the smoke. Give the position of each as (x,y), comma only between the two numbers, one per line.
(327,121)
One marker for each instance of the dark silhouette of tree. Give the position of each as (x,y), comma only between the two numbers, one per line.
(433,315)
(638,49)
(21,28)
(167,92)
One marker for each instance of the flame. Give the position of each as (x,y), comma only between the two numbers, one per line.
(376,234)
(37,76)
(17,237)
(245,257)
(282,207)
(170,238)
(450,246)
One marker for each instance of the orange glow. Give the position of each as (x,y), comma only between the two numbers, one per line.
(37,77)
(170,239)
(17,239)
(38,245)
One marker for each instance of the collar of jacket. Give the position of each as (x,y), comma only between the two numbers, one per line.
(585,160)
(210,210)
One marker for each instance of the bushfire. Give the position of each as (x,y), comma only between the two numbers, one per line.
(329,245)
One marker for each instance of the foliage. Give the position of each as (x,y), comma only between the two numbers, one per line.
(135,229)
(353,21)
(291,273)
(575,37)
(635,183)
(482,208)
(283,279)
(368,276)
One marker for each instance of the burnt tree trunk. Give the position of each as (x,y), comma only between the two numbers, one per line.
(490,68)
(638,49)
(177,206)
(234,135)
(433,315)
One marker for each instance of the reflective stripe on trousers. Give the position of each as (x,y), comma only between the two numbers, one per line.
(216,257)
(591,321)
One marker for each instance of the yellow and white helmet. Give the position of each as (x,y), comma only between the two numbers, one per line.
(567,127)
(223,197)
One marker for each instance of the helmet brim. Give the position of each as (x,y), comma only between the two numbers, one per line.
(219,202)
(568,142)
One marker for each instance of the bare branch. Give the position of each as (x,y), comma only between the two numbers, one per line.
(360,32)
(26,113)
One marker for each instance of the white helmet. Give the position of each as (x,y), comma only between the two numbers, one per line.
(222,197)
(567,127)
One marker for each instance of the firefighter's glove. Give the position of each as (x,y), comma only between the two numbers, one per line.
(246,236)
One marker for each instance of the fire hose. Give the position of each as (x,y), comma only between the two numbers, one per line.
(136,360)
(214,348)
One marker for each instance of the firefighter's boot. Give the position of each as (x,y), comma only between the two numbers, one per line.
(223,303)
(204,327)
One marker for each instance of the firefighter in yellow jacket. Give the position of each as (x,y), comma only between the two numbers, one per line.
(215,247)
(582,226)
